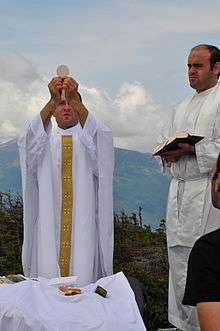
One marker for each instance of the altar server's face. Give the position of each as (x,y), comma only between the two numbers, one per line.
(65,116)
(201,76)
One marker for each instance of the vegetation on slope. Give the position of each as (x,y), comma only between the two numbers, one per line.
(139,252)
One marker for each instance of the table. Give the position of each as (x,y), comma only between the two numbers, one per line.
(35,306)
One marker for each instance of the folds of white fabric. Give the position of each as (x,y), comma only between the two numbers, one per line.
(35,306)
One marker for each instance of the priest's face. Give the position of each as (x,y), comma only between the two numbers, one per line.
(201,75)
(66,117)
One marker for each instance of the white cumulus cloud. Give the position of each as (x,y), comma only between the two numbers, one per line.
(136,120)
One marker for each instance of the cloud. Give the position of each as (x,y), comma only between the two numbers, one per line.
(134,117)
(106,43)
(15,68)
(136,120)
(18,106)
(22,94)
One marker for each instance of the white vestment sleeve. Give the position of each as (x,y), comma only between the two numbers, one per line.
(33,142)
(207,149)
(31,146)
(165,134)
(99,141)
(88,138)
(167,129)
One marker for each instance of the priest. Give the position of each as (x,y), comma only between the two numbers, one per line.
(67,176)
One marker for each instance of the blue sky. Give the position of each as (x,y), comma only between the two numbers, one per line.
(129,57)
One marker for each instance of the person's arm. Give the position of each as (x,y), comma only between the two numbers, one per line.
(47,112)
(71,91)
(174,155)
(216,185)
(34,138)
(203,281)
(207,149)
(81,110)
(55,87)
(88,122)
(209,316)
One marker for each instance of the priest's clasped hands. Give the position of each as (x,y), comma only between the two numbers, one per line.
(68,84)
(64,94)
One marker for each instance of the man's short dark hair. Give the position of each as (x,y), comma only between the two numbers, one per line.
(214,54)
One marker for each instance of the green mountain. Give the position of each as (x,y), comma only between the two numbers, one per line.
(137,181)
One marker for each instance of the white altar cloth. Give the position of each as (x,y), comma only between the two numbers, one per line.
(35,306)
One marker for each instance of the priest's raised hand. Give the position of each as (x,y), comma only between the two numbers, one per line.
(55,87)
(73,98)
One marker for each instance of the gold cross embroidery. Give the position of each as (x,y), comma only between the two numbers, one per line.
(67,206)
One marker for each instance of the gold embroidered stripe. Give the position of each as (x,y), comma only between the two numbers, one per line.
(67,206)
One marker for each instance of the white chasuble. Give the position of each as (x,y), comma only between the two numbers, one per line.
(91,253)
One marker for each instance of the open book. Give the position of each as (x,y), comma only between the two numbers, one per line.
(172,143)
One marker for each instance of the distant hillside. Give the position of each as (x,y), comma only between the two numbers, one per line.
(137,181)
(10,178)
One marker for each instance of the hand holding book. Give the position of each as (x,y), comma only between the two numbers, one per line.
(178,144)
(175,155)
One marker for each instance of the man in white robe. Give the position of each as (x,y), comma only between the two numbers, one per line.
(91,226)
(190,213)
